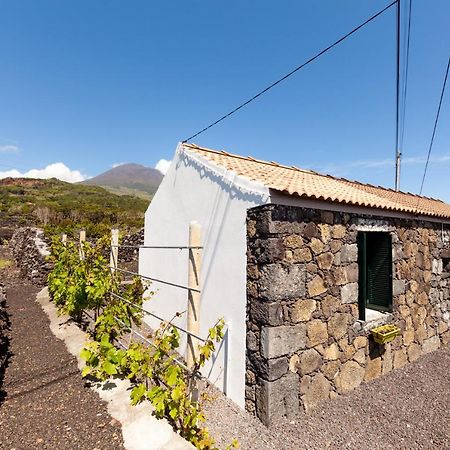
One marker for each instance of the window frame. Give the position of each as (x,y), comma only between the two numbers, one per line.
(363,298)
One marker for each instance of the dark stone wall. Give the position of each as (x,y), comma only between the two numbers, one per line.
(129,253)
(30,251)
(4,337)
(305,342)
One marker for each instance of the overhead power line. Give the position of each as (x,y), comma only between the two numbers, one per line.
(292,72)
(435,126)
(401,78)
(405,85)
(398,155)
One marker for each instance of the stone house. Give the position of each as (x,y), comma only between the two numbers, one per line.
(301,266)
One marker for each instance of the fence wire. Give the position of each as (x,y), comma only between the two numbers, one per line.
(156,317)
(156,280)
(176,247)
(148,341)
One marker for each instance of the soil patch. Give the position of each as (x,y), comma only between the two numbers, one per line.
(46,403)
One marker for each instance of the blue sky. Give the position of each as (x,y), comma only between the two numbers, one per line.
(94,83)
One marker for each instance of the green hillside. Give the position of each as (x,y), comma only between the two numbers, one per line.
(66,207)
(129,191)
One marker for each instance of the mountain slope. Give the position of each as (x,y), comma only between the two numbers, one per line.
(62,206)
(128,179)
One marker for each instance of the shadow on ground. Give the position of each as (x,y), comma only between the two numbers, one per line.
(5,329)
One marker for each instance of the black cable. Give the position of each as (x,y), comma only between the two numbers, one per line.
(397,109)
(435,125)
(291,72)
(405,87)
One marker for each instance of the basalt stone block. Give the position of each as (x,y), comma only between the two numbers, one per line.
(293,241)
(338,325)
(316,286)
(431,344)
(349,293)
(317,332)
(310,360)
(269,369)
(398,287)
(302,310)
(315,389)
(283,213)
(327,217)
(325,260)
(277,399)
(311,230)
(349,253)
(282,340)
(279,282)
(350,376)
(266,313)
(269,250)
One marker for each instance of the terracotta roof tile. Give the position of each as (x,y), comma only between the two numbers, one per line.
(309,184)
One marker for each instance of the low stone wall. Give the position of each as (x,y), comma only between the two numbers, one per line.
(4,330)
(30,250)
(133,240)
(6,234)
(305,342)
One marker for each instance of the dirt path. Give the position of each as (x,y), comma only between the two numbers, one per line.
(46,405)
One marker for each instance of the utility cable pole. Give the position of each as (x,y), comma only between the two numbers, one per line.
(398,154)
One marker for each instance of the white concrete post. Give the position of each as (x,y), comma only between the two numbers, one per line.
(193,307)
(64,239)
(82,241)
(114,255)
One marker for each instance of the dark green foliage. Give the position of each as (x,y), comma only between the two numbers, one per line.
(64,207)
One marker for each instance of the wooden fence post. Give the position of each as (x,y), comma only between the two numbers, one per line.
(114,255)
(82,240)
(64,239)
(193,307)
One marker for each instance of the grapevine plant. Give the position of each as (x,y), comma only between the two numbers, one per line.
(156,371)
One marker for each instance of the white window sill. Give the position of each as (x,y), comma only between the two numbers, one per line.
(375,319)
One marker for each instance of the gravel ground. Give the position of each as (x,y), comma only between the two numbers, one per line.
(407,409)
(47,404)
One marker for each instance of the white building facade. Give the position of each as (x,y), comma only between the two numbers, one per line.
(194,189)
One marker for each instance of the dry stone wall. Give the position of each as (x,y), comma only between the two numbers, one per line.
(305,342)
(4,330)
(30,251)
(128,252)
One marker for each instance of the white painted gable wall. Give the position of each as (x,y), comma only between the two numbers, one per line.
(197,190)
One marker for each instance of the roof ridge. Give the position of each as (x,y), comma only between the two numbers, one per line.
(249,158)
(307,171)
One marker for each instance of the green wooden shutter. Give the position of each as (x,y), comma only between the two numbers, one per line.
(362,270)
(375,265)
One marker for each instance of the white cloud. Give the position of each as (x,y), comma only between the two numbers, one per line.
(56,170)
(118,164)
(163,166)
(8,148)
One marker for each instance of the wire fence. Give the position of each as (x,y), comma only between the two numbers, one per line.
(192,288)
(193,266)
(146,312)
(173,247)
(156,280)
